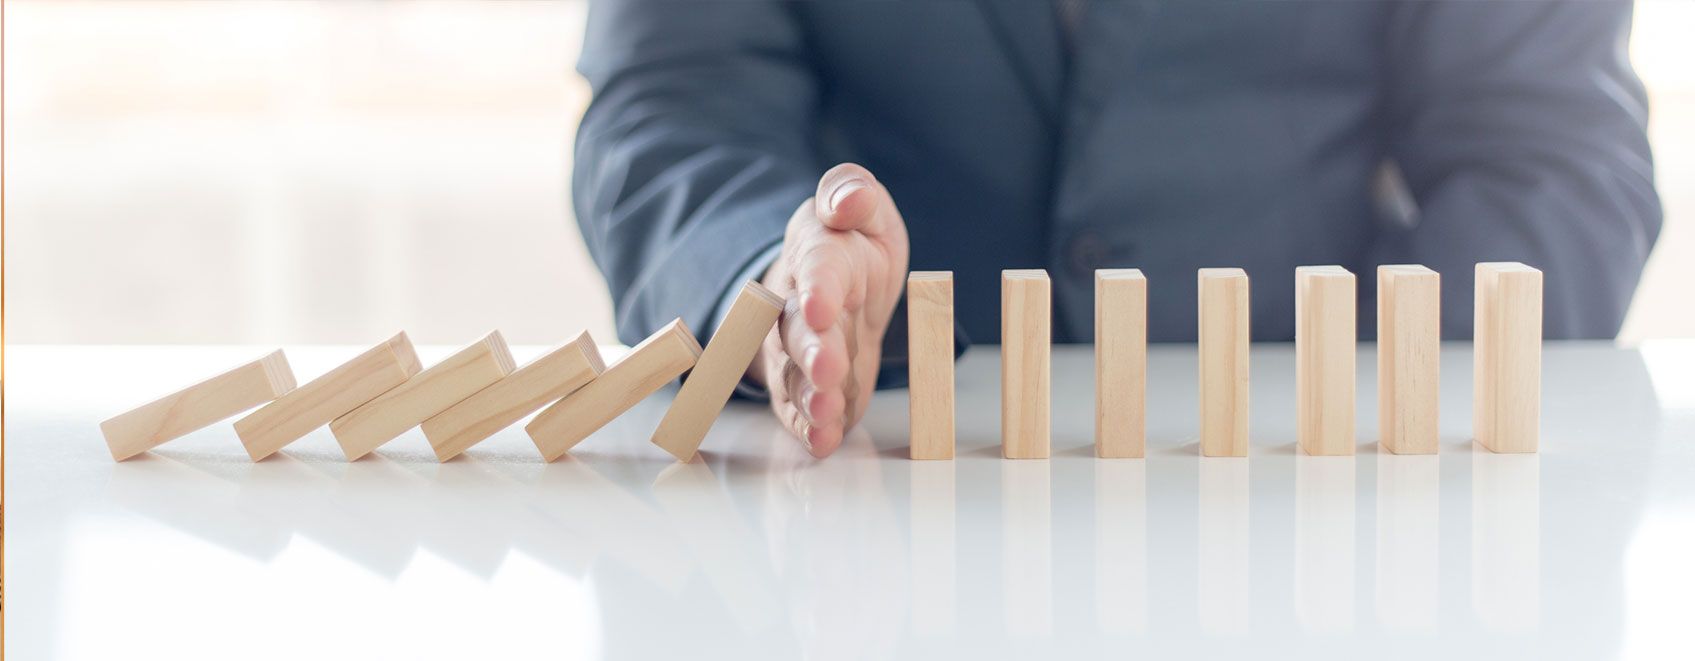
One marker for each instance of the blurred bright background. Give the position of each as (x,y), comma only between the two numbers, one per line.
(330,172)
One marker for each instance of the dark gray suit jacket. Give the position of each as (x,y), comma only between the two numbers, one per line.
(1171,135)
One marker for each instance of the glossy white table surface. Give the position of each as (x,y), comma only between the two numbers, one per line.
(1584,551)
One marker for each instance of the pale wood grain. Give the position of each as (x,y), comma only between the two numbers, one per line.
(1409,344)
(658,360)
(1325,332)
(321,400)
(1026,347)
(1121,363)
(721,366)
(145,427)
(929,323)
(430,392)
(1507,367)
(1223,340)
(539,382)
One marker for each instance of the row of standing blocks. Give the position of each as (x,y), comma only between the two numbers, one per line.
(1507,346)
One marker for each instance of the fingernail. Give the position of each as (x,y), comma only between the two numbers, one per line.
(809,358)
(842,191)
(806,400)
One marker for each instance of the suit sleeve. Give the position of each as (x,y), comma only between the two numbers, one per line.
(693,153)
(1520,128)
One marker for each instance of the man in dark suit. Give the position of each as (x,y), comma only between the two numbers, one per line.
(1073,135)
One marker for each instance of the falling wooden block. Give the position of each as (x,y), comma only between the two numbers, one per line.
(430,392)
(1121,363)
(1026,342)
(145,427)
(1507,368)
(553,375)
(325,398)
(1224,362)
(720,368)
(1409,342)
(1325,327)
(929,335)
(661,357)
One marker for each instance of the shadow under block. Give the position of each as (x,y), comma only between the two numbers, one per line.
(721,366)
(1325,326)
(1409,344)
(430,392)
(1121,363)
(1026,345)
(1507,376)
(929,324)
(659,359)
(1223,341)
(327,397)
(553,375)
(145,427)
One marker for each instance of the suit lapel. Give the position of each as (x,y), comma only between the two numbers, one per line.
(1029,35)
(1109,37)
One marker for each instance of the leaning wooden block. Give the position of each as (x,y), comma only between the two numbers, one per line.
(661,357)
(1224,362)
(1325,327)
(1507,368)
(145,427)
(720,368)
(553,375)
(321,400)
(1409,341)
(430,392)
(1026,345)
(1121,363)
(929,354)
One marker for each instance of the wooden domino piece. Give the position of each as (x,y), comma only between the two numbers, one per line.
(929,337)
(321,400)
(659,359)
(555,374)
(1507,347)
(1409,344)
(1026,345)
(1223,344)
(430,392)
(720,368)
(1325,329)
(145,427)
(1121,363)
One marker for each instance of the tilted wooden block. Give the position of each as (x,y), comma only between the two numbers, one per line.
(430,392)
(1409,344)
(1026,346)
(661,357)
(720,368)
(1507,368)
(321,400)
(1325,328)
(553,375)
(1223,340)
(145,427)
(1121,363)
(929,336)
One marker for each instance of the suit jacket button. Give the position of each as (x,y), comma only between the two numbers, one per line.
(1088,253)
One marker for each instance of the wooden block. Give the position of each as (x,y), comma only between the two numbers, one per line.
(430,392)
(1325,329)
(323,399)
(145,427)
(661,357)
(1409,344)
(720,368)
(1121,363)
(1026,344)
(553,375)
(1223,340)
(929,337)
(1507,368)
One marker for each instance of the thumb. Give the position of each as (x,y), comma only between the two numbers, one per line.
(849,198)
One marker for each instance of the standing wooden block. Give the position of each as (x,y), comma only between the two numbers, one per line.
(1507,372)
(1409,342)
(661,357)
(1325,327)
(929,336)
(555,374)
(325,398)
(1121,363)
(145,427)
(721,366)
(1026,342)
(430,392)
(1224,362)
